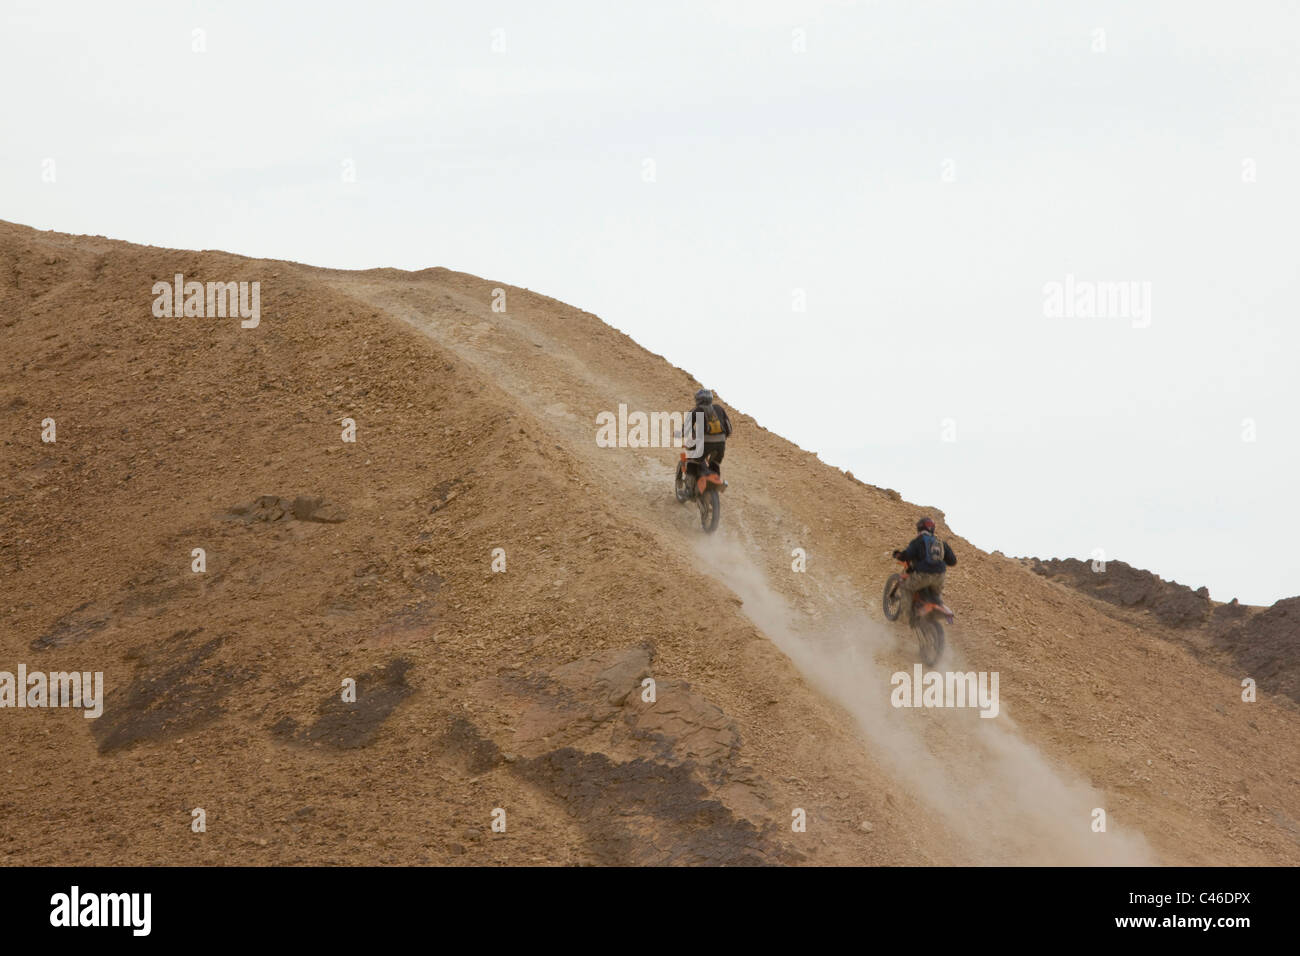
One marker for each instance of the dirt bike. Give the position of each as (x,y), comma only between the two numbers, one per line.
(704,490)
(925,621)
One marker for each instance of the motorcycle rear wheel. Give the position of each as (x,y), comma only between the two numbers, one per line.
(682,484)
(710,510)
(929,638)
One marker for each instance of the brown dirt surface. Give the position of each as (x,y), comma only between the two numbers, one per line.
(628,690)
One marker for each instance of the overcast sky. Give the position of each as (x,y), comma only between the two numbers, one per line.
(913,175)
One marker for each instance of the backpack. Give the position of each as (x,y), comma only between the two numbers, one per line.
(933,548)
(712,421)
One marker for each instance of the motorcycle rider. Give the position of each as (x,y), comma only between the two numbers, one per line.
(929,557)
(715,428)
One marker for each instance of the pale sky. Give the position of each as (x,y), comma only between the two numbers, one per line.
(916,172)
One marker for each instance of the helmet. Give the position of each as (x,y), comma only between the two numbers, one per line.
(704,397)
(925,524)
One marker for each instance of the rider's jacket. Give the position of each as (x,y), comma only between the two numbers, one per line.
(716,424)
(929,555)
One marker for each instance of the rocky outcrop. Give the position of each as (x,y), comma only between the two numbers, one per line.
(1126,586)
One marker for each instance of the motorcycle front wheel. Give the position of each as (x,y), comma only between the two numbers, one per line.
(892,601)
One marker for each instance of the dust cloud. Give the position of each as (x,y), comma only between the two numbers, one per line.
(992,789)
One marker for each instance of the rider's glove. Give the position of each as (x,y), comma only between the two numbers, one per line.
(898,555)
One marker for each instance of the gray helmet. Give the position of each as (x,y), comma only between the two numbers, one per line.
(704,397)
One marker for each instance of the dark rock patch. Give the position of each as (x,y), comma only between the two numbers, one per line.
(645,779)
(177,686)
(445,492)
(476,752)
(301,508)
(73,628)
(348,726)
(1121,584)
(1227,615)
(1267,647)
(648,812)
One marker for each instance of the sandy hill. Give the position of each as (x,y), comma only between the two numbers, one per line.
(1262,643)
(523,690)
